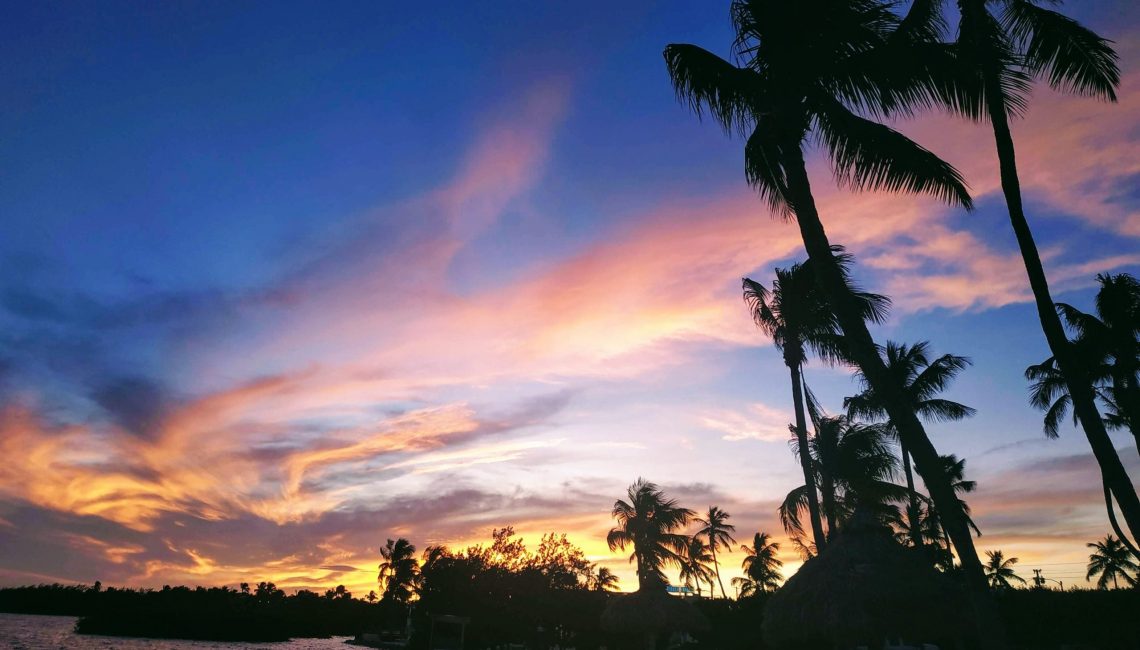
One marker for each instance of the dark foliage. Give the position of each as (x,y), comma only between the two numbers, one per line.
(216,614)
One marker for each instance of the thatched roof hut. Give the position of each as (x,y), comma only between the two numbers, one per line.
(862,589)
(648,613)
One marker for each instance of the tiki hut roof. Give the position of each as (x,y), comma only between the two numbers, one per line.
(651,611)
(863,588)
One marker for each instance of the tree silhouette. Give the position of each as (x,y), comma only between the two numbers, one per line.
(695,565)
(1110,559)
(999,54)
(920,379)
(760,564)
(718,532)
(999,571)
(811,67)
(604,580)
(855,466)
(399,571)
(1108,344)
(797,317)
(647,522)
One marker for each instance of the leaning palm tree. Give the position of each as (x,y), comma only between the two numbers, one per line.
(807,70)
(999,571)
(399,571)
(1001,46)
(695,565)
(647,522)
(760,564)
(921,380)
(716,529)
(797,318)
(1110,559)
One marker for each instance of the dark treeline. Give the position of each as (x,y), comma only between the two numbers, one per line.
(263,613)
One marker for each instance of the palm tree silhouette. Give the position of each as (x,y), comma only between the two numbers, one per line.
(1109,345)
(647,523)
(921,379)
(695,565)
(812,66)
(604,580)
(760,564)
(999,55)
(1110,559)
(399,571)
(999,571)
(797,318)
(855,466)
(718,532)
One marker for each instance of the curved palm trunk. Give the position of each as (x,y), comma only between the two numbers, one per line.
(1076,378)
(805,459)
(865,354)
(716,567)
(912,511)
(826,444)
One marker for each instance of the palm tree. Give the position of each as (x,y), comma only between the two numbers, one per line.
(760,564)
(1000,571)
(855,466)
(647,523)
(399,571)
(718,532)
(812,66)
(1111,559)
(695,565)
(1109,347)
(604,580)
(1000,54)
(920,379)
(797,318)
(371,597)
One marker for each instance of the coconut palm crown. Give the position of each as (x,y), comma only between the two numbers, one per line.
(1111,560)
(648,522)
(999,570)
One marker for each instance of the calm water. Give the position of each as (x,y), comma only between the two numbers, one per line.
(20,632)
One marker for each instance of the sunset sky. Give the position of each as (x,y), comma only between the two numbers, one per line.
(280,281)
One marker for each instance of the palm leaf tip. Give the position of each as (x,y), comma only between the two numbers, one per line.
(867,155)
(1070,56)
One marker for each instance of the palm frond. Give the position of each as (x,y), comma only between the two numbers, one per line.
(1070,56)
(709,84)
(764,171)
(867,155)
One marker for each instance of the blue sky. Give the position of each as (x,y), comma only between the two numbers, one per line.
(310,269)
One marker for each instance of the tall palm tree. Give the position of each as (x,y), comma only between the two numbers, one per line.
(811,67)
(695,565)
(999,571)
(921,379)
(1001,46)
(399,570)
(797,317)
(716,529)
(760,564)
(1110,559)
(647,522)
